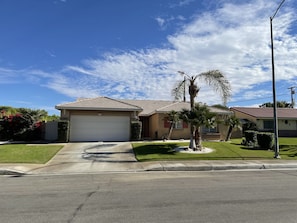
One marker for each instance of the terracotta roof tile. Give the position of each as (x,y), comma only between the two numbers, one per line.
(267,112)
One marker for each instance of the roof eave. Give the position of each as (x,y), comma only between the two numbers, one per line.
(97,109)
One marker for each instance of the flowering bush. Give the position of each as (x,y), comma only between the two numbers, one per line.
(19,127)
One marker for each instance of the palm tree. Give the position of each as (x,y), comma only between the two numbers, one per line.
(172,117)
(197,117)
(233,122)
(214,78)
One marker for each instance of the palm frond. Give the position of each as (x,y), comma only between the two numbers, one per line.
(218,82)
(178,91)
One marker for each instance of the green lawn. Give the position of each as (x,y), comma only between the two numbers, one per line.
(222,151)
(22,153)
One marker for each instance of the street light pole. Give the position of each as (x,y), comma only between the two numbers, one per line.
(276,144)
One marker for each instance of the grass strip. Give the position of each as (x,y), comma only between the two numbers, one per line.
(22,153)
(221,151)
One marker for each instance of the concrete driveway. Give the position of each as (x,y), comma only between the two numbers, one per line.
(91,157)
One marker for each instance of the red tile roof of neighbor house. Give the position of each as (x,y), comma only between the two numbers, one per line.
(288,113)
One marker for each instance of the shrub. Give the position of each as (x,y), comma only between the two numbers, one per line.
(63,131)
(265,140)
(20,127)
(136,130)
(250,138)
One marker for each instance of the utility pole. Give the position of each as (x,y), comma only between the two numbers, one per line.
(292,96)
(276,144)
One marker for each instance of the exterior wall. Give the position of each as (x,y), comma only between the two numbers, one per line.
(286,127)
(182,133)
(158,131)
(285,124)
(223,131)
(153,127)
(66,114)
(236,133)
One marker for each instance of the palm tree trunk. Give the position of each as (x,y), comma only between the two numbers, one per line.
(170,131)
(198,138)
(229,133)
(192,141)
(192,103)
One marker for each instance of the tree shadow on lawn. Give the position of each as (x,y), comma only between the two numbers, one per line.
(289,150)
(254,148)
(155,149)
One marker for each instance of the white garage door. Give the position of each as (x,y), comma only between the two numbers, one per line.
(99,128)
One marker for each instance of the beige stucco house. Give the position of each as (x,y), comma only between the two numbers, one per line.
(107,119)
(263,118)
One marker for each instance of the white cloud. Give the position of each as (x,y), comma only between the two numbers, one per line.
(160,21)
(181,3)
(8,76)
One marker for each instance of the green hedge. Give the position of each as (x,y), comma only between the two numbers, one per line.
(262,140)
(250,138)
(265,140)
(63,131)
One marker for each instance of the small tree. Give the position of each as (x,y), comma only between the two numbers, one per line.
(233,122)
(214,78)
(199,116)
(172,117)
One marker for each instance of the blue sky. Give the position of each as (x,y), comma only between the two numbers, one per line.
(54,51)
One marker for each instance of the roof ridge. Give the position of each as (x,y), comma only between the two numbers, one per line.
(118,100)
(78,100)
(173,103)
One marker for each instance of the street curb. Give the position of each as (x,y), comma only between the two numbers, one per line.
(182,167)
(11,172)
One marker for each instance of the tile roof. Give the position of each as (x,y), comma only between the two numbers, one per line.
(146,107)
(99,103)
(158,106)
(288,113)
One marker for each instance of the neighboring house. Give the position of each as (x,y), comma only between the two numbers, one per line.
(263,118)
(107,119)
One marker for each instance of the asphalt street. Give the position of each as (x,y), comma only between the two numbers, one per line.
(217,196)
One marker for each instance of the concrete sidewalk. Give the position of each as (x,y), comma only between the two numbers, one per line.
(119,157)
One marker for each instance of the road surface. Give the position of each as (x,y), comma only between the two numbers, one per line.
(222,196)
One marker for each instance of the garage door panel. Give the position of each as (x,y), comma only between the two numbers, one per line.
(99,128)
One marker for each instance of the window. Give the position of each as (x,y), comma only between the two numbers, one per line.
(178,125)
(268,124)
(209,130)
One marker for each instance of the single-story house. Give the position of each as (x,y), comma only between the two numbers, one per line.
(264,118)
(107,119)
